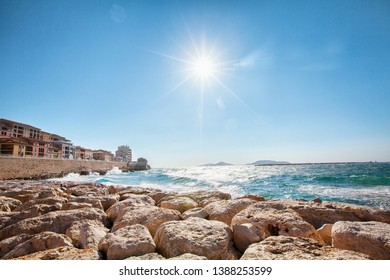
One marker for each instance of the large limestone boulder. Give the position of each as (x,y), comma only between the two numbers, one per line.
(180,204)
(211,239)
(87,189)
(246,234)
(326,233)
(94,201)
(371,238)
(57,221)
(225,210)
(297,248)
(75,205)
(39,242)
(128,241)
(108,200)
(8,204)
(86,234)
(150,216)
(31,212)
(133,200)
(272,221)
(64,253)
(322,213)
(195,212)
(205,197)
(9,244)
(42,201)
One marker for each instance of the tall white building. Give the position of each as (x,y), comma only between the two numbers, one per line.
(124,152)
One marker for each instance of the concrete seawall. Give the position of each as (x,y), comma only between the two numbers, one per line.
(31,168)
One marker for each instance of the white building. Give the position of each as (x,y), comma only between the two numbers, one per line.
(124,153)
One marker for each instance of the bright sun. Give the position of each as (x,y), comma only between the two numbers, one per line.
(204,68)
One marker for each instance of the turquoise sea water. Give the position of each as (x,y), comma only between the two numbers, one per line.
(358,183)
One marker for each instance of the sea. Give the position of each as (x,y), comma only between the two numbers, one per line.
(358,183)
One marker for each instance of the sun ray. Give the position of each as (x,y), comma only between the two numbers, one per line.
(222,84)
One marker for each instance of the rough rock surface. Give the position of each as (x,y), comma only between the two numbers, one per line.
(271,221)
(87,189)
(150,216)
(180,204)
(246,234)
(128,241)
(134,200)
(86,234)
(195,212)
(8,204)
(40,242)
(95,202)
(326,233)
(9,244)
(57,221)
(147,257)
(225,210)
(297,248)
(75,205)
(212,239)
(319,214)
(371,238)
(29,208)
(188,256)
(64,253)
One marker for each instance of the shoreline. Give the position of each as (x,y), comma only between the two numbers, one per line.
(90,221)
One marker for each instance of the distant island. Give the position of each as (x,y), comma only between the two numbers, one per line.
(268,162)
(221,163)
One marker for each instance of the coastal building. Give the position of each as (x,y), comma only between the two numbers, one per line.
(18,130)
(23,140)
(83,153)
(102,155)
(124,153)
(10,146)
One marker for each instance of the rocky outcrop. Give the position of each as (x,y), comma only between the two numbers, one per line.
(195,212)
(8,204)
(86,234)
(180,204)
(39,242)
(128,241)
(246,234)
(149,216)
(318,214)
(326,233)
(297,248)
(211,239)
(57,221)
(92,221)
(371,238)
(225,210)
(9,244)
(272,221)
(134,200)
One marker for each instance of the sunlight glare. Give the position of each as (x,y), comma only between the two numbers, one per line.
(204,68)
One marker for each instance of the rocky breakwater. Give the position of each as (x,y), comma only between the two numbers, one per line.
(50,220)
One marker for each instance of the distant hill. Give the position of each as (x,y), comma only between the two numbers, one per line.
(266,162)
(217,164)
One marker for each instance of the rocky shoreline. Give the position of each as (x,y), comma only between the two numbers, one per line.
(73,221)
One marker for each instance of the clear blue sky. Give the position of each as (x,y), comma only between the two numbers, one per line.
(301,81)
